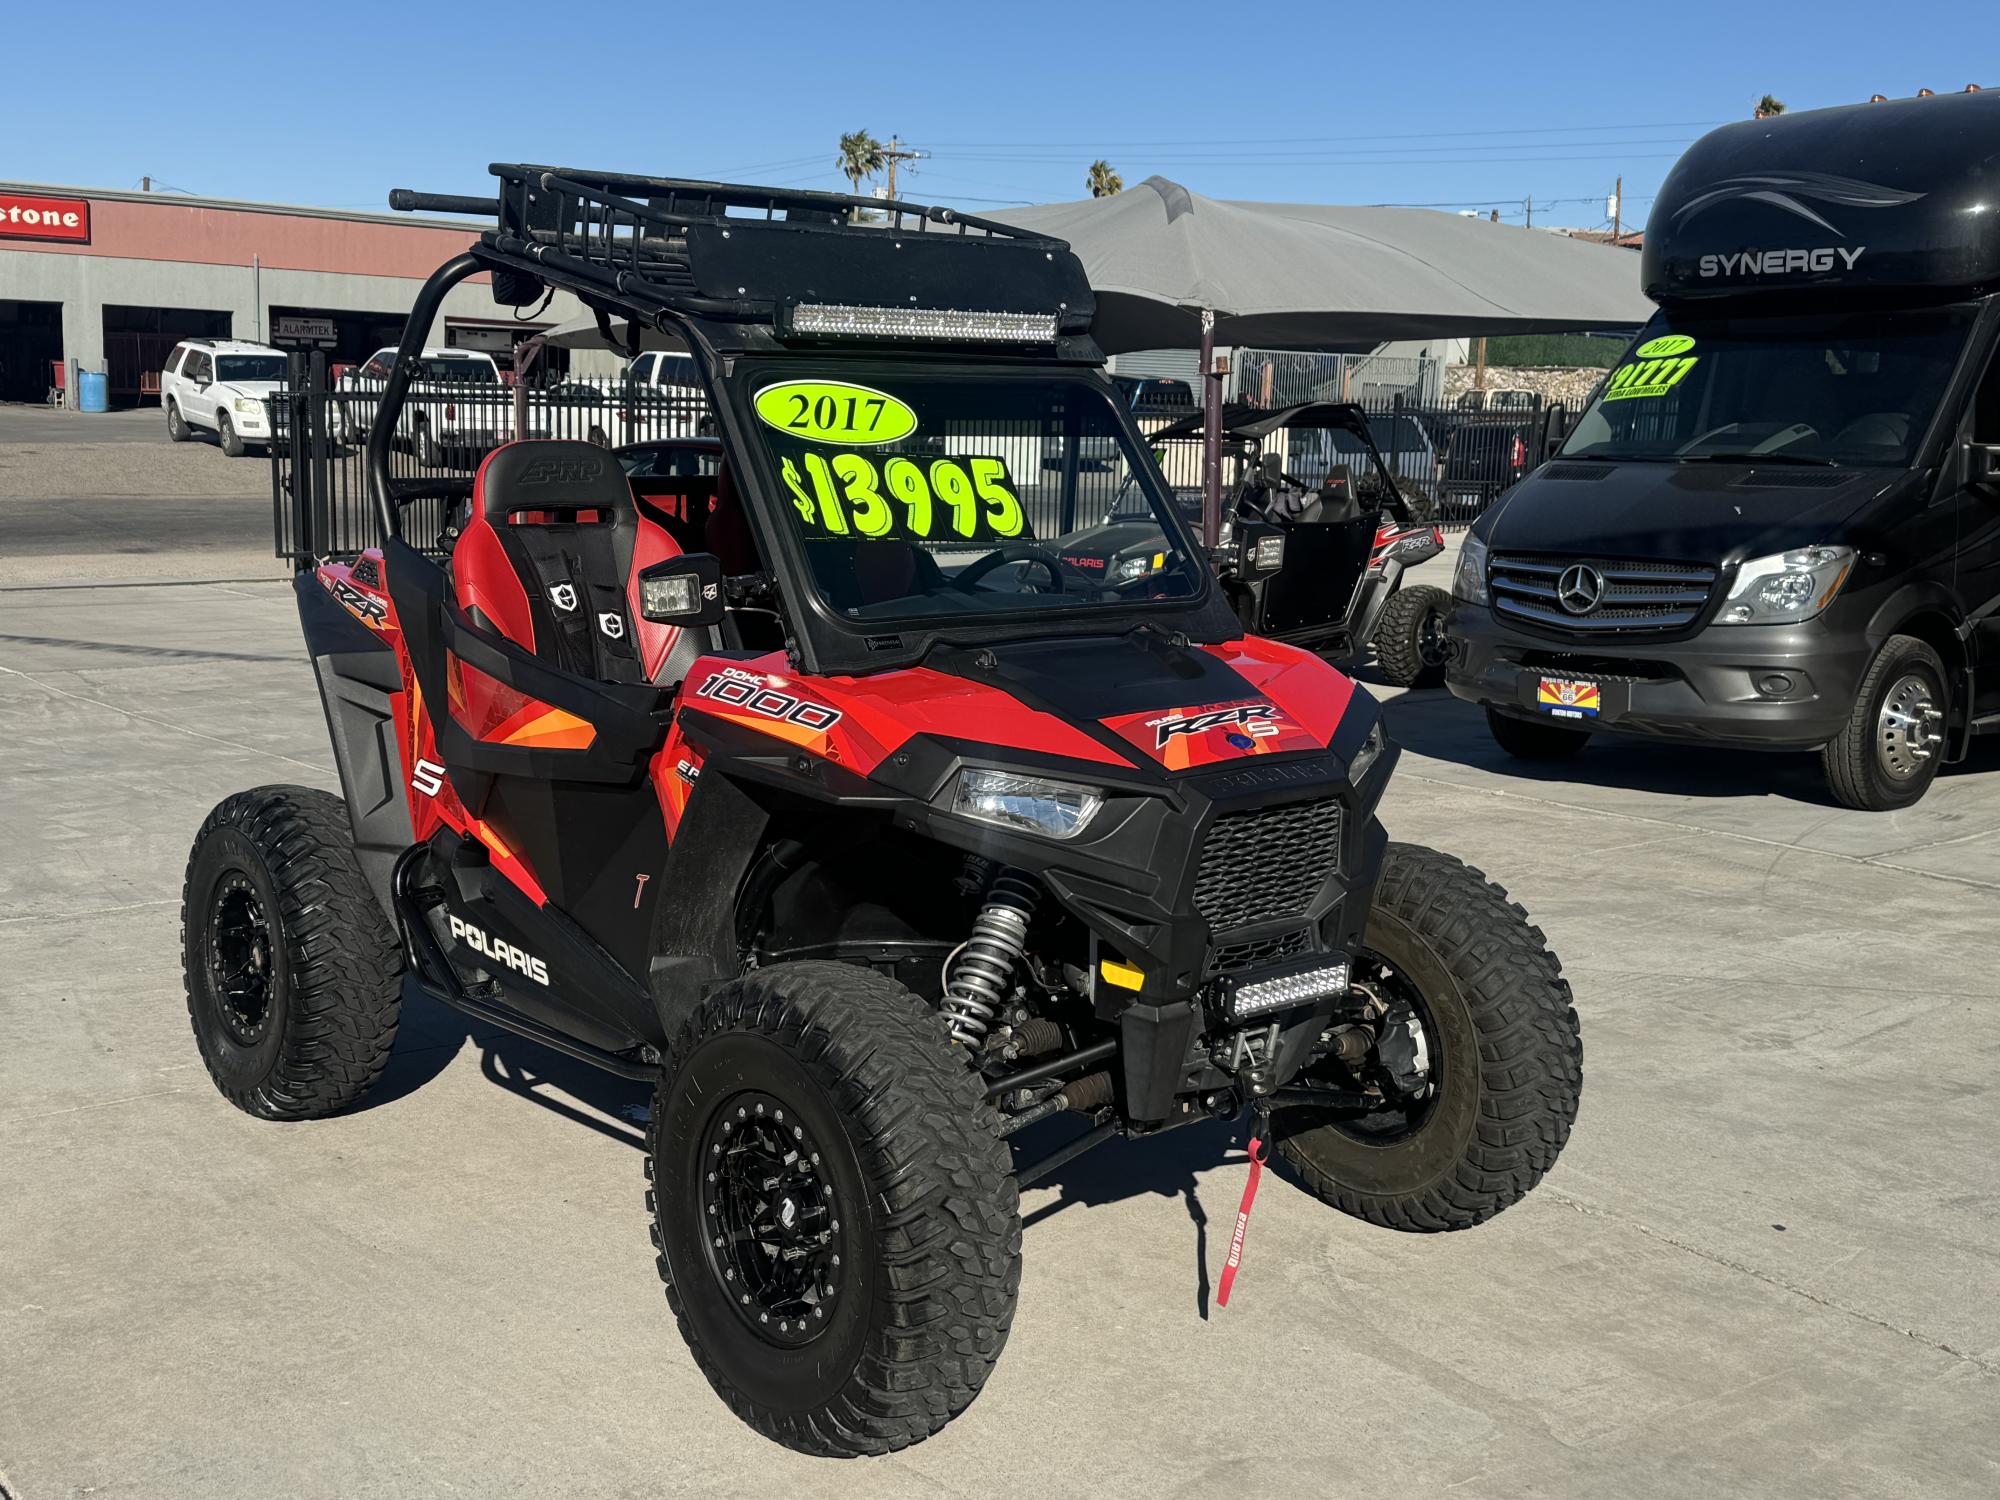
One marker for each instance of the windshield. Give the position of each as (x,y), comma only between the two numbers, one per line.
(923,494)
(457,371)
(1834,389)
(250,367)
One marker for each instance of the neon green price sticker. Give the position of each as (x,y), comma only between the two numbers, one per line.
(1665,346)
(1650,377)
(864,496)
(835,411)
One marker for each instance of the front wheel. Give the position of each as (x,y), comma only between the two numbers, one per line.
(293,974)
(837,1221)
(1476,1059)
(177,427)
(1410,644)
(232,443)
(1888,753)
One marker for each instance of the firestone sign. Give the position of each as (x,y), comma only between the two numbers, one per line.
(23,217)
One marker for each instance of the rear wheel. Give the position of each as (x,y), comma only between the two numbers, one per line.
(1525,739)
(1890,751)
(1477,1058)
(226,430)
(1410,644)
(837,1221)
(293,973)
(177,427)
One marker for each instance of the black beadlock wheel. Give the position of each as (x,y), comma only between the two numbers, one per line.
(1892,746)
(1528,739)
(293,973)
(837,1222)
(1410,644)
(1460,968)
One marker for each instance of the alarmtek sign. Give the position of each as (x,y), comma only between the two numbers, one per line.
(28,218)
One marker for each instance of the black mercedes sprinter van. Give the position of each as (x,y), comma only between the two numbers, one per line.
(1778,524)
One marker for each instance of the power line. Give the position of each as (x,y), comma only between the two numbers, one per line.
(1308,140)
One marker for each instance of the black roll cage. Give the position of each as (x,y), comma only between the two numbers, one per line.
(717,266)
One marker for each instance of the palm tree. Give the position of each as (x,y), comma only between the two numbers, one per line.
(1769,106)
(860,156)
(1103,182)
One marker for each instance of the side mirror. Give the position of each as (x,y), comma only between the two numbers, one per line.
(683,590)
(1982,463)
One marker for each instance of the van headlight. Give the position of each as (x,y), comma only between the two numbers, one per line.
(1055,809)
(1786,587)
(1468,580)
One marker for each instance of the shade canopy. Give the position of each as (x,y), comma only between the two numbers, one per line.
(1327,277)
(583,333)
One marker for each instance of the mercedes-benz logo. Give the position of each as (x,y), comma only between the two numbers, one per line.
(1580,589)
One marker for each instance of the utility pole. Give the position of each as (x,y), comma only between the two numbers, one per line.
(1531,210)
(1617,209)
(895,152)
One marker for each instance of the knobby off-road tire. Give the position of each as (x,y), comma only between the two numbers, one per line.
(1418,500)
(897,1147)
(177,427)
(1525,739)
(1506,1061)
(275,894)
(1868,764)
(1409,638)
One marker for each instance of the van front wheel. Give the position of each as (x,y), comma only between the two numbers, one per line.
(1889,752)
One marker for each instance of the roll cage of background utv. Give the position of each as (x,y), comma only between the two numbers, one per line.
(905,863)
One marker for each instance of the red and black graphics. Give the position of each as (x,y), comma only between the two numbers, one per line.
(1409,545)
(1298,702)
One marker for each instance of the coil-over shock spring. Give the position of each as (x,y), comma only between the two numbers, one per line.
(979,975)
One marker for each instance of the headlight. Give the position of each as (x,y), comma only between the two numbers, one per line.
(1055,809)
(1367,755)
(1468,582)
(1133,567)
(1786,587)
(246,405)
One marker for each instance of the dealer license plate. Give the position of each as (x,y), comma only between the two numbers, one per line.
(1567,698)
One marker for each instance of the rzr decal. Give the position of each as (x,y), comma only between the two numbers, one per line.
(369,610)
(1203,734)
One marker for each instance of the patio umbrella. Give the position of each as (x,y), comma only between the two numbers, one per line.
(1175,270)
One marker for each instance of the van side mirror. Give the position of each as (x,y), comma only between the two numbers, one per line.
(684,590)
(1982,463)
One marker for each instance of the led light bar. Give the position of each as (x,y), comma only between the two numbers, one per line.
(1288,990)
(843,320)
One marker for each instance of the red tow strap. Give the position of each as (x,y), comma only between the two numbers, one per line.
(1242,1223)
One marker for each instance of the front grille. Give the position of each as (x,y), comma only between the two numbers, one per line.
(1265,864)
(1258,953)
(1637,596)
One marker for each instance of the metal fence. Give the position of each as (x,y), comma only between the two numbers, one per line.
(1069,468)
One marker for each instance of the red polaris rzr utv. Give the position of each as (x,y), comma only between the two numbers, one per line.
(817,791)
(1346,541)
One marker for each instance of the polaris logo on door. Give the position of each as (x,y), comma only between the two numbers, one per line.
(517,959)
(1779,262)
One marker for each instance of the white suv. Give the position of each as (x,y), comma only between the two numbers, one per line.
(222,385)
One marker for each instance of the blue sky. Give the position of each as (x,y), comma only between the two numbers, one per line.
(1442,103)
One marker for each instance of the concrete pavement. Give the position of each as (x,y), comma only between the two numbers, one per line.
(1766,1264)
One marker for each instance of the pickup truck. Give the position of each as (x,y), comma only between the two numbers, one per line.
(457,410)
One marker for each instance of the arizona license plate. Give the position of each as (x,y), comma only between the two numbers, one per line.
(1567,698)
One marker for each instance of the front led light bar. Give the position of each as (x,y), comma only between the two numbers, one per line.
(1288,990)
(843,320)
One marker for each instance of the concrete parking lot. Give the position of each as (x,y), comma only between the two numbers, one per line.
(1766,1265)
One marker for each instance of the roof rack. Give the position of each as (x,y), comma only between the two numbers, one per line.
(714,250)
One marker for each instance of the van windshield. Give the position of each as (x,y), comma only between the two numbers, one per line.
(1849,389)
(917,493)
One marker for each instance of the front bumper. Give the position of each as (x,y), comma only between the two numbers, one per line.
(1777,687)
